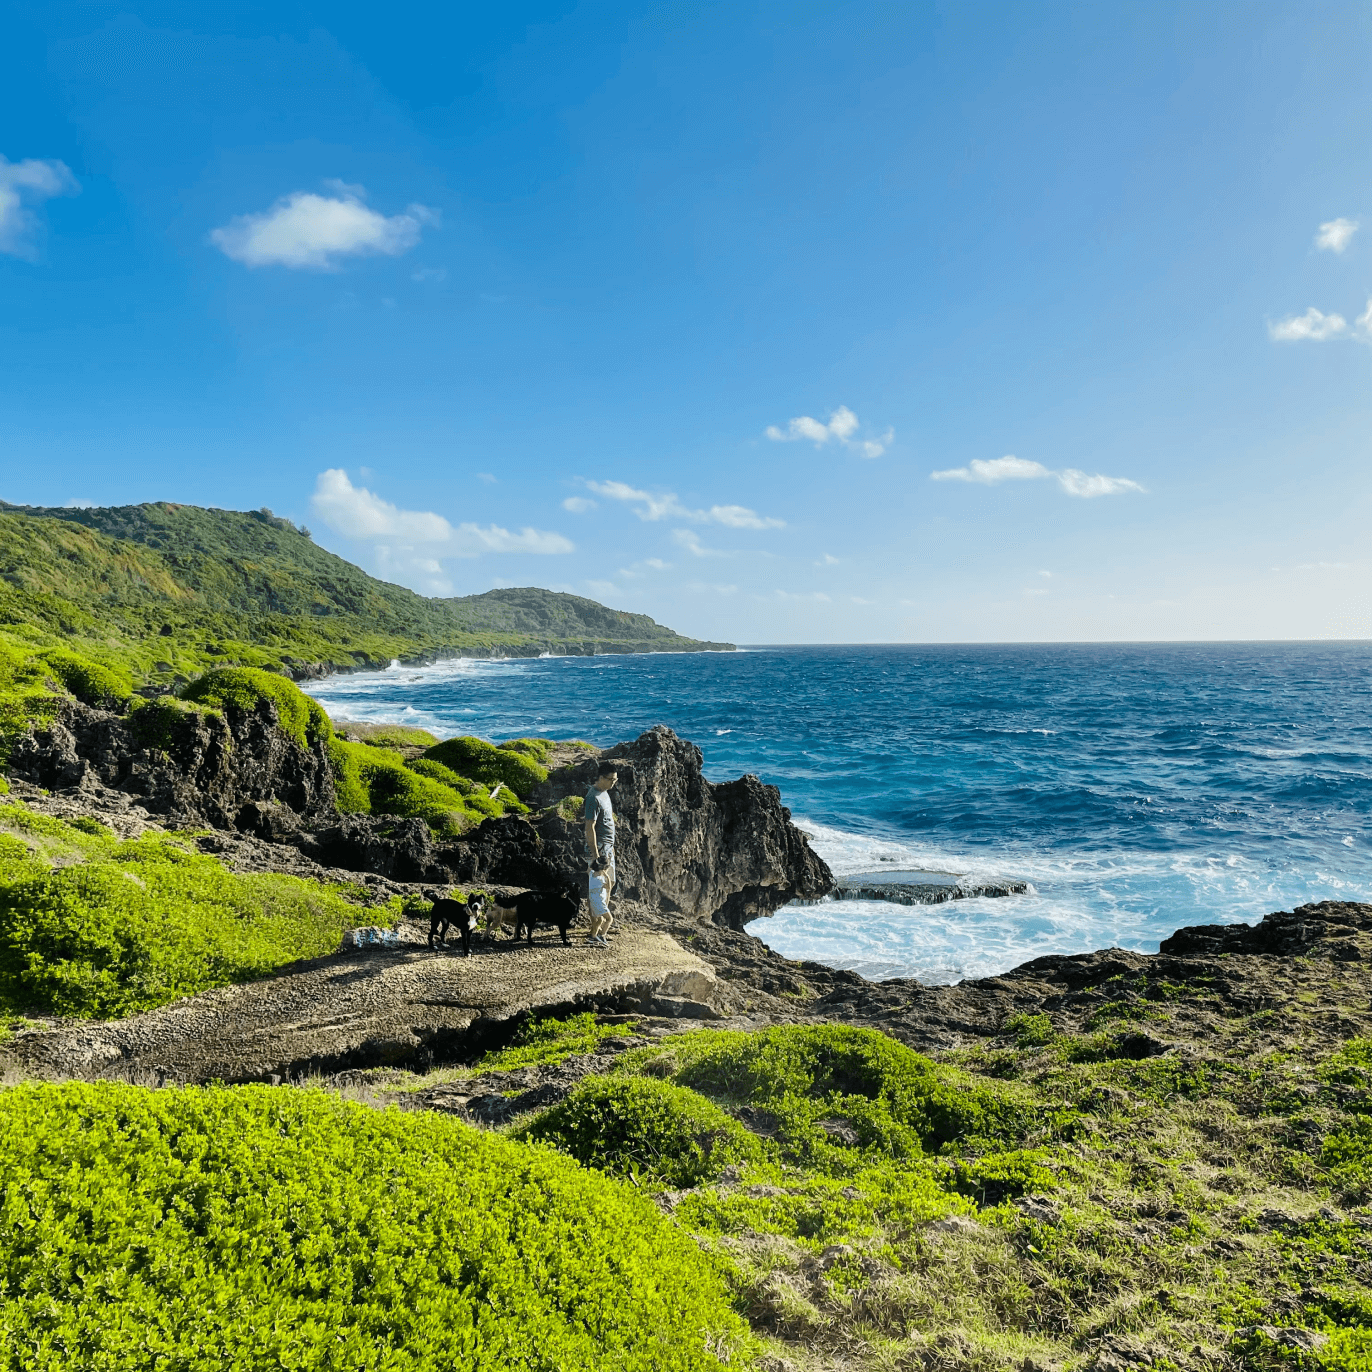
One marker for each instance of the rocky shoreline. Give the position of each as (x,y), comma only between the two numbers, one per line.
(702,860)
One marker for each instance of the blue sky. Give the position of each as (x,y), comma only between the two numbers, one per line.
(780,323)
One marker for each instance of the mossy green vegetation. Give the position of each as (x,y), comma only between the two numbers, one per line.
(491,765)
(256,1227)
(1017,1201)
(164,592)
(245,688)
(94,927)
(632,1125)
(549,1041)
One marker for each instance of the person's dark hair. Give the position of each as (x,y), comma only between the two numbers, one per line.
(607,769)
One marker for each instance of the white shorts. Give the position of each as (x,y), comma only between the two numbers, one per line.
(599,905)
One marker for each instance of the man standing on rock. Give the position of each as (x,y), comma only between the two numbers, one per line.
(600,846)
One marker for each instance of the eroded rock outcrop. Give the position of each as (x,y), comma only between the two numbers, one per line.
(192,767)
(726,851)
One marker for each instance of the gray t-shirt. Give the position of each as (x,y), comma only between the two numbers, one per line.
(599,809)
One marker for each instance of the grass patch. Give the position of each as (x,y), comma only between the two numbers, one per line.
(549,1041)
(491,766)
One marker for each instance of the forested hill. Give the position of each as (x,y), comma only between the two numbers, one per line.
(171,589)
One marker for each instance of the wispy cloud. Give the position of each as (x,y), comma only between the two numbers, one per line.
(434,274)
(828,560)
(1336,235)
(1072,480)
(690,540)
(653,564)
(1312,326)
(358,513)
(23,185)
(312,231)
(578,504)
(648,506)
(842,427)
(804,595)
(983,472)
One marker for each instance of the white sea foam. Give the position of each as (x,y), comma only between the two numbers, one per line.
(1076,903)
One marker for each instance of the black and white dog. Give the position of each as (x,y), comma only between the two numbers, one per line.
(558,908)
(446,913)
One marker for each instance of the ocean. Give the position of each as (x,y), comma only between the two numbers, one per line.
(1137,788)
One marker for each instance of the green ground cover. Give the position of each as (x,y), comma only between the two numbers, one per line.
(1030,1203)
(94,927)
(236,1229)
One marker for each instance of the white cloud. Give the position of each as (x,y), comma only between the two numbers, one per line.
(996,470)
(701,587)
(486,477)
(1072,481)
(1336,235)
(858,600)
(842,425)
(666,506)
(828,560)
(357,513)
(314,231)
(578,504)
(1311,325)
(79,503)
(1363,323)
(803,595)
(1080,484)
(602,588)
(430,274)
(657,564)
(23,184)
(690,540)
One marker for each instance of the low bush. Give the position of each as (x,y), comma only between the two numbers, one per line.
(165,721)
(636,1126)
(549,1041)
(376,781)
(95,928)
(857,1082)
(254,1227)
(484,762)
(106,687)
(390,735)
(244,688)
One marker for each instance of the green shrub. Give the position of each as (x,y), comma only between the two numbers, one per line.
(244,688)
(484,762)
(549,1041)
(107,687)
(257,1227)
(540,749)
(896,1101)
(1348,1350)
(390,736)
(436,771)
(1030,1031)
(164,721)
(138,924)
(376,781)
(632,1126)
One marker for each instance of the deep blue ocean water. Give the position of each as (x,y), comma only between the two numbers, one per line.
(1138,787)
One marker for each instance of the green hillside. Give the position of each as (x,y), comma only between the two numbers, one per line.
(167,590)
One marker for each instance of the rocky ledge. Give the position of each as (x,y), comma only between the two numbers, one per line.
(724,852)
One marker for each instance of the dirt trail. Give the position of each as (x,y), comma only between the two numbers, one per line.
(372,1008)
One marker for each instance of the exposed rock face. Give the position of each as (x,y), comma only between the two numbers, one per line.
(725,852)
(685,846)
(210,769)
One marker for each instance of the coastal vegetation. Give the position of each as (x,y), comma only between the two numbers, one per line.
(93,927)
(160,593)
(251,1227)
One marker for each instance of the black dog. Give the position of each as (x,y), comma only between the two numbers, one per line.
(449,912)
(558,908)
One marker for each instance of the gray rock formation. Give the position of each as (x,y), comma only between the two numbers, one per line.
(204,770)
(726,851)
